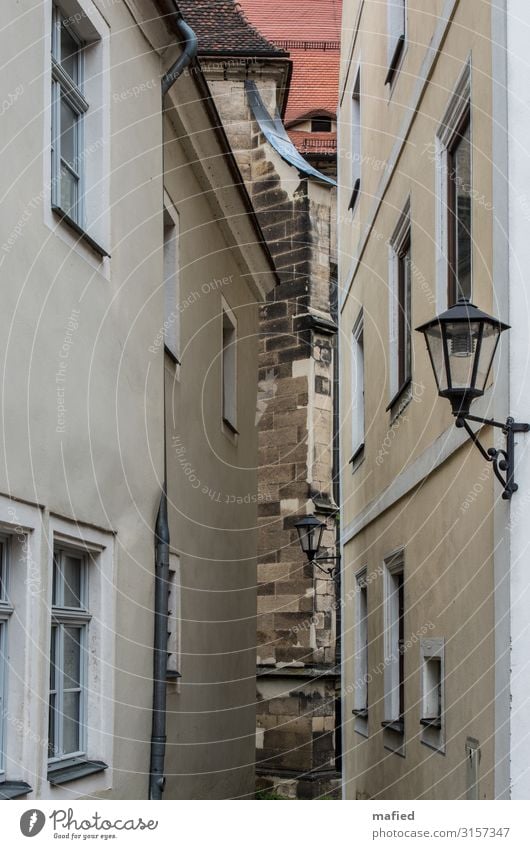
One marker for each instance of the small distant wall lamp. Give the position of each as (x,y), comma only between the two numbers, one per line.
(462,343)
(310,531)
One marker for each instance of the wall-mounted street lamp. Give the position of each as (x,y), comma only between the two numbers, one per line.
(462,343)
(310,531)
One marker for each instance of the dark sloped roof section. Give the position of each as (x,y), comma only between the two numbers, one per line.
(275,133)
(222,29)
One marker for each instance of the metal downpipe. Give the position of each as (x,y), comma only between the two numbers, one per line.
(157,778)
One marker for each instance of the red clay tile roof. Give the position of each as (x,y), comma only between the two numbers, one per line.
(310,30)
(221,28)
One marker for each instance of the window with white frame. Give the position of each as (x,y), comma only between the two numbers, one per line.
(454,213)
(171,283)
(6,610)
(68,109)
(360,708)
(229,367)
(173,617)
(357,412)
(79,166)
(82,664)
(432,672)
(68,655)
(397,21)
(356,153)
(394,637)
(400,308)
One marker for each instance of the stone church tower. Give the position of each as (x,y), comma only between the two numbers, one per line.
(298,680)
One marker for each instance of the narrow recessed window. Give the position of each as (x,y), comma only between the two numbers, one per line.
(361,650)
(394,646)
(403,315)
(229,369)
(400,290)
(432,692)
(356,140)
(459,212)
(5,612)
(68,109)
(396,16)
(357,387)
(68,653)
(321,124)
(171,284)
(173,619)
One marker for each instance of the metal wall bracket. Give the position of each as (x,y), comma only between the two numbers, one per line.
(503,459)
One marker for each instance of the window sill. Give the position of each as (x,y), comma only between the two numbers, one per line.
(396,725)
(66,771)
(229,426)
(434,722)
(399,395)
(357,458)
(173,357)
(171,675)
(396,59)
(360,713)
(79,230)
(354,195)
(14,789)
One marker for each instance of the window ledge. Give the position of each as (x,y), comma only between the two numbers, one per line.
(396,725)
(357,458)
(354,195)
(360,713)
(172,675)
(399,394)
(71,770)
(14,789)
(79,230)
(228,424)
(431,722)
(394,63)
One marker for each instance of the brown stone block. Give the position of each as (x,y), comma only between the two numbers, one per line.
(272,571)
(286,706)
(280,473)
(277,343)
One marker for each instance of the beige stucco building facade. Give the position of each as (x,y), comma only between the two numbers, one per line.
(419,511)
(142,298)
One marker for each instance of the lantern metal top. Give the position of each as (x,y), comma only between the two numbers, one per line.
(464,311)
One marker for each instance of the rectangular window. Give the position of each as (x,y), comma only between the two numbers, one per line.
(361,649)
(459,205)
(171,284)
(394,645)
(357,388)
(432,673)
(68,654)
(404,298)
(400,286)
(229,368)
(68,109)
(356,140)
(173,615)
(397,18)
(321,125)
(452,158)
(5,612)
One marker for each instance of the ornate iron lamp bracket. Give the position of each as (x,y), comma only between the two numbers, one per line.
(503,459)
(331,569)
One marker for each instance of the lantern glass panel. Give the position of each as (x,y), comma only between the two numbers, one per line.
(490,340)
(434,339)
(462,348)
